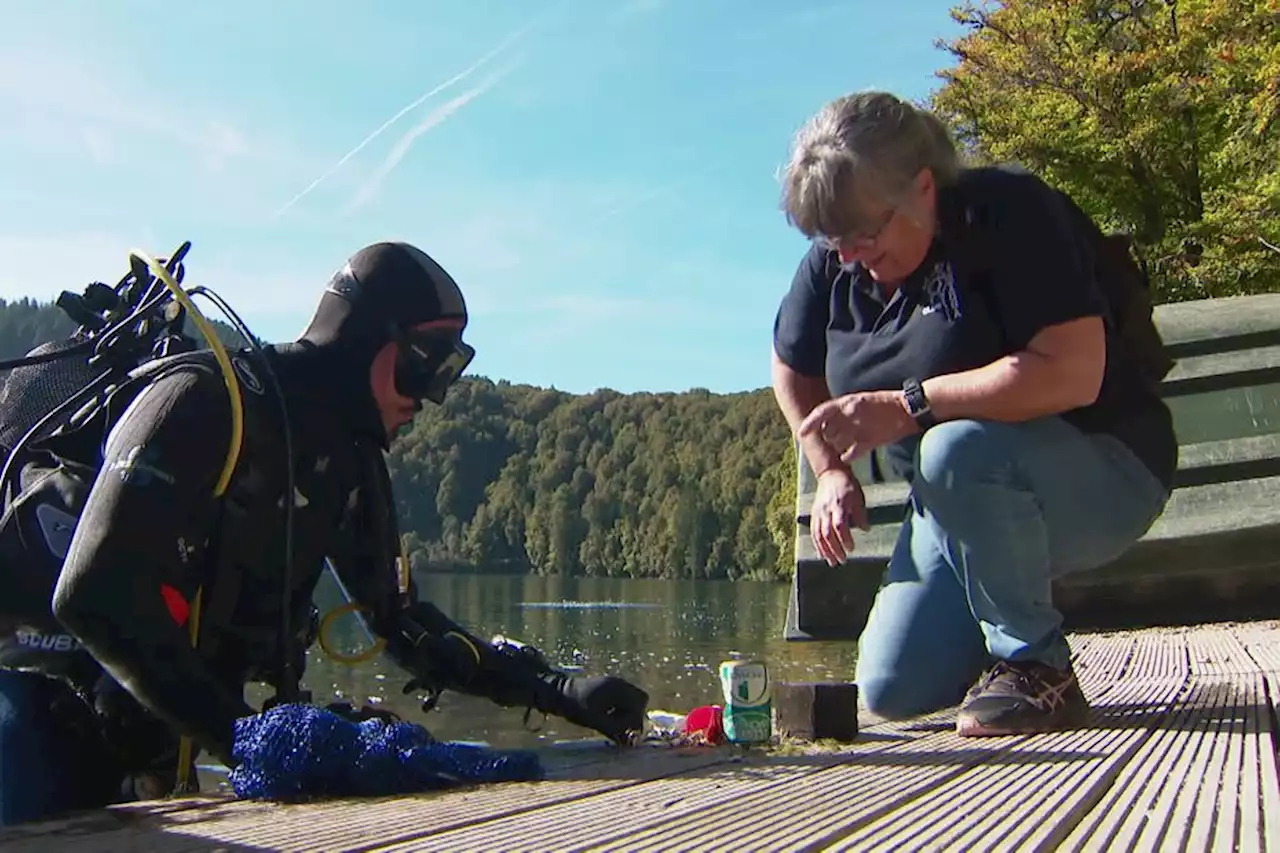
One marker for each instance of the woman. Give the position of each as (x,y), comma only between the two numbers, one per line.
(1032,444)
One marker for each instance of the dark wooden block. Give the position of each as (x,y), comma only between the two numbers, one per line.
(817,710)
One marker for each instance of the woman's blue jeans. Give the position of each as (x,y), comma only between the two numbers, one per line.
(998,510)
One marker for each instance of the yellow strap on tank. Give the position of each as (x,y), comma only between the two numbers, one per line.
(228,466)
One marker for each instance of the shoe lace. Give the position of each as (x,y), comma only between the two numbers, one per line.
(1029,676)
(998,671)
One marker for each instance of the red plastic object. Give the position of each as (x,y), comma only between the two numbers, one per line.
(706,722)
(179,607)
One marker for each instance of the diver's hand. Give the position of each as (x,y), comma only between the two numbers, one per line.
(611,705)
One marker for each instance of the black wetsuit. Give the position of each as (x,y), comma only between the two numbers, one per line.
(151,534)
(140,470)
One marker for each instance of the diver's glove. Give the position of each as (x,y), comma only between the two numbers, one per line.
(442,656)
(611,705)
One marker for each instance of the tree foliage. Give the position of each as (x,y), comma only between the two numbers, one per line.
(1158,116)
(514,477)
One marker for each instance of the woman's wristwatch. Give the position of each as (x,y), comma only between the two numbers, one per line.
(918,404)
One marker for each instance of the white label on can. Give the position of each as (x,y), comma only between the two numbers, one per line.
(746,684)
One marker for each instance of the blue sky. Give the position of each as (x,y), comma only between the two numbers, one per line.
(599,175)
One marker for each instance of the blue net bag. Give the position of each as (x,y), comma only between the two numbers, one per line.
(296,752)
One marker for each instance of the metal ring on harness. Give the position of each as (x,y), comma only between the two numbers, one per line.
(348,660)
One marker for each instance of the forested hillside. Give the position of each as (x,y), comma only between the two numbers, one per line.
(25,324)
(663,485)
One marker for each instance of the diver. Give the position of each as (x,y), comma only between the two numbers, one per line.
(135,605)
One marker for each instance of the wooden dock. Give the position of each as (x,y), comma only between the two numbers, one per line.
(1181,754)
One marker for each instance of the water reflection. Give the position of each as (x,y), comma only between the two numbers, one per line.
(668,636)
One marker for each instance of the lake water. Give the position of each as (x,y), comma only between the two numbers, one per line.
(667,636)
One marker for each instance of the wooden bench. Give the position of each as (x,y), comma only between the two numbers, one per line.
(1213,554)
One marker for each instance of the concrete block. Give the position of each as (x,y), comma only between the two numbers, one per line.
(817,710)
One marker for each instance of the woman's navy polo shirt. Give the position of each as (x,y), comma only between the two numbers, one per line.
(834,322)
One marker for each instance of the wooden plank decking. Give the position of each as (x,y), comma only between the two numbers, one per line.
(1180,755)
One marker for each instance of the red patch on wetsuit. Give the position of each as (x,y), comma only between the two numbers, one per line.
(178,606)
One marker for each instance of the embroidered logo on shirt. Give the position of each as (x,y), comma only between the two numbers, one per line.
(940,292)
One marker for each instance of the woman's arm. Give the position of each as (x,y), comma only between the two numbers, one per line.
(1049,308)
(797,395)
(1060,369)
(798,357)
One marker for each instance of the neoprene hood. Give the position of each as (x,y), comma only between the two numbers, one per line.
(383,289)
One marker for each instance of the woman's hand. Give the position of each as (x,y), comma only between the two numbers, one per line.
(838,506)
(856,424)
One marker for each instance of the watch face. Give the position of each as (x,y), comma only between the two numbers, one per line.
(915,398)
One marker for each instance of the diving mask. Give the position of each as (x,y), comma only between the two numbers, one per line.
(429,362)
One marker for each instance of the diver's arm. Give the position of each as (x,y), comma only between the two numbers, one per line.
(420,638)
(127,587)
(439,654)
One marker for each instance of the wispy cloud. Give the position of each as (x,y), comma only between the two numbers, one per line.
(59,99)
(661,191)
(502,47)
(433,119)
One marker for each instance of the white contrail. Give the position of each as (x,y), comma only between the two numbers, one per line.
(504,45)
(433,119)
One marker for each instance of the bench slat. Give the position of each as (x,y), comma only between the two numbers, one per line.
(1228,460)
(1192,511)
(1184,325)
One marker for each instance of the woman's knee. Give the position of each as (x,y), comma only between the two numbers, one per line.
(894,697)
(962,450)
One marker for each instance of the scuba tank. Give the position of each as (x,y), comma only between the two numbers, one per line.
(118,330)
(124,333)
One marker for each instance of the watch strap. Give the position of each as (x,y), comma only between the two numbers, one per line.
(918,403)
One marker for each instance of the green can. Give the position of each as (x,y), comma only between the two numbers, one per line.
(748,701)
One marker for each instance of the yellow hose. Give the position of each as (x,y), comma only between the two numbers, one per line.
(402,580)
(224,363)
(228,467)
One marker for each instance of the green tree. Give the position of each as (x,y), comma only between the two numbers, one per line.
(1158,116)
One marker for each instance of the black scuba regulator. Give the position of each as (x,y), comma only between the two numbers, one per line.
(138,319)
(125,325)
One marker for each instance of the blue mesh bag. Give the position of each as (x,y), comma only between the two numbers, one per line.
(298,752)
